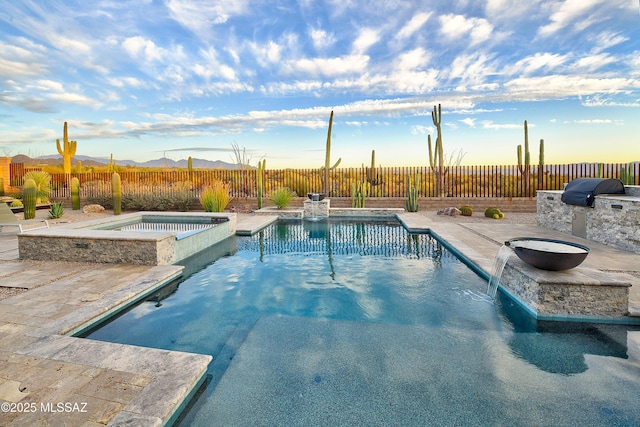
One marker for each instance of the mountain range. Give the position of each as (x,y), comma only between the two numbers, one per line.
(97,161)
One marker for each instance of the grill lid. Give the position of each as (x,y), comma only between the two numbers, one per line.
(582,191)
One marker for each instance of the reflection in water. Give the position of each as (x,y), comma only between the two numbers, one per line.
(560,347)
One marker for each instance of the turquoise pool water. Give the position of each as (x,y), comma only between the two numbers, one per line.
(351,323)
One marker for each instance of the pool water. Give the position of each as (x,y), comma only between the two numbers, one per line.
(350,323)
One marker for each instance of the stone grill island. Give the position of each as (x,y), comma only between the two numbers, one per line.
(588,292)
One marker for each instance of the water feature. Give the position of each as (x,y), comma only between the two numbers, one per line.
(313,212)
(498,267)
(350,323)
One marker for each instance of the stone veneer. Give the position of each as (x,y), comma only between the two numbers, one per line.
(86,242)
(613,220)
(323,209)
(560,295)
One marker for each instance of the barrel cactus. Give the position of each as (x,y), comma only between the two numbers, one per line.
(116,190)
(494,213)
(29,197)
(466,210)
(75,194)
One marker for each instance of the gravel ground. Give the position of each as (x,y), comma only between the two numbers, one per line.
(71,216)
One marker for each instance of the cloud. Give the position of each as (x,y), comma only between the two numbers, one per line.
(321,39)
(456,27)
(416,22)
(469,122)
(200,16)
(350,64)
(599,122)
(367,38)
(539,62)
(566,13)
(141,48)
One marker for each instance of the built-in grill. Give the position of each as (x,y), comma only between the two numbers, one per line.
(582,191)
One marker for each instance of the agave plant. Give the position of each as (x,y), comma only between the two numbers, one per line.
(43,184)
(56,211)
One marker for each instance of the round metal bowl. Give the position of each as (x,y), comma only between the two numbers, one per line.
(316,197)
(548,254)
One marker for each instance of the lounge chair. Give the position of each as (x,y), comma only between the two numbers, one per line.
(7,219)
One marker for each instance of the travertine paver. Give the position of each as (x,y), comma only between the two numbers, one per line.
(48,379)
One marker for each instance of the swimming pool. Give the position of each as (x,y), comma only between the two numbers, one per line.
(343,323)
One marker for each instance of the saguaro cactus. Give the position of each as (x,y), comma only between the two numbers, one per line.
(29,198)
(75,194)
(67,150)
(327,159)
(1,186)
(190,168)
(116,190)
(525,167)
(541,165)
(438,153)
(260,181)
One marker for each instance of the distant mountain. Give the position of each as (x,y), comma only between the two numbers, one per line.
(97,161)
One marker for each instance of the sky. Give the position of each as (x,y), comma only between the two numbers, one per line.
(145,79)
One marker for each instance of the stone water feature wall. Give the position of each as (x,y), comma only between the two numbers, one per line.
(562,295)
(613,220)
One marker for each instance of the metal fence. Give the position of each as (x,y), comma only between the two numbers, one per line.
(459,181)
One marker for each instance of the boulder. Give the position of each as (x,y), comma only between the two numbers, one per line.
(449,211)
(92,209)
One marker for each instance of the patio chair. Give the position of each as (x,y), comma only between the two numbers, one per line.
(7,219)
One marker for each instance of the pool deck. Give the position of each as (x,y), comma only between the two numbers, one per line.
(50,378)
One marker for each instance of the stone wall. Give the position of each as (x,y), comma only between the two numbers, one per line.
(479,204)
(613,220)
(580,292)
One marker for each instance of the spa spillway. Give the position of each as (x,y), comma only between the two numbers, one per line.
(548,254)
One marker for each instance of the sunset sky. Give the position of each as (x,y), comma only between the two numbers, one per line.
(143,79)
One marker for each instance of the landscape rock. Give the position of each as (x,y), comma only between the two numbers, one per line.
(93,209)
(449,211)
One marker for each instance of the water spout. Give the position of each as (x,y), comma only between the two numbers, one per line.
(498,267)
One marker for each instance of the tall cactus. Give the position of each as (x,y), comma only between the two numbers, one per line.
(327,159)
(116,190)
(412,202)
(373,175)
(541,165)
(29,198)
(438,153)
(627,175)
(358,194)
(75,193)
(1,186)
(190,168)
(525,167)
(260,181)
(67,150)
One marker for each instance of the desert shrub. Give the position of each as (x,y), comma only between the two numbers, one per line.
(466,210)
(494,213)
(215,197)
(281,197)
(142,197)
(16,203)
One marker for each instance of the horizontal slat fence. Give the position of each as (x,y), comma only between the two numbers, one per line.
(459,181)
